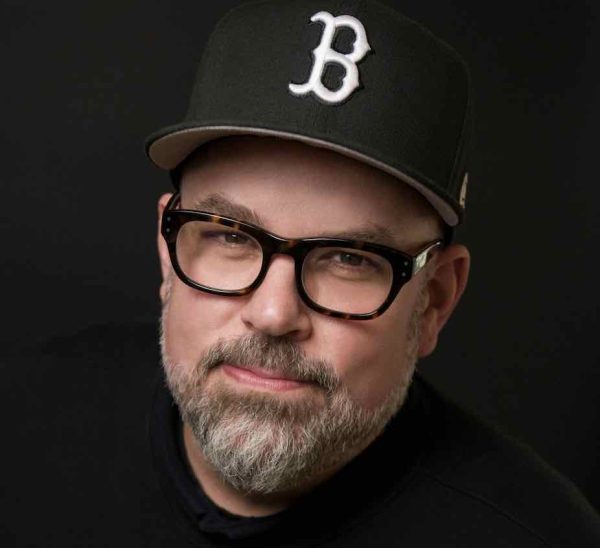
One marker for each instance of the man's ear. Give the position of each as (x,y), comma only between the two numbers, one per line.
(445,285)
(163,252)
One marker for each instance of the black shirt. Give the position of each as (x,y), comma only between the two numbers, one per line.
(91,457)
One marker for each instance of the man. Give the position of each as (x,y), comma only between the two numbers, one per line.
(307,264)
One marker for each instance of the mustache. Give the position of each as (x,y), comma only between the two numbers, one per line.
(271,353)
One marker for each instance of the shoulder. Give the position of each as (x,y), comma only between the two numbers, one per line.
(484,479)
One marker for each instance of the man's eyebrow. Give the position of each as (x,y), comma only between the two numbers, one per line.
(220,205)
(371,232)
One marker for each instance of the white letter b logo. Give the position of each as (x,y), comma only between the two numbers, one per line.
(324,54)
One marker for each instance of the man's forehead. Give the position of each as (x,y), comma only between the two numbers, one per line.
(235,156)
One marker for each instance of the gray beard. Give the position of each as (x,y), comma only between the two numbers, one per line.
(261,444)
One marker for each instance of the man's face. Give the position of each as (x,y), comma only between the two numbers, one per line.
(227,358)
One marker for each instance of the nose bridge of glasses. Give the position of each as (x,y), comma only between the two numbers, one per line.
(283,246)
(273,245)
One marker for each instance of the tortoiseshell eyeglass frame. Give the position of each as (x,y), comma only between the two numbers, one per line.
(404,265)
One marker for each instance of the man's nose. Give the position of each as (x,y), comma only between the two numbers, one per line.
(275,307)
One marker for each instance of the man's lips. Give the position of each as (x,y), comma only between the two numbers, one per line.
(260,378)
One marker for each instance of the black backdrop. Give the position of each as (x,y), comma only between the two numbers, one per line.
(83,83)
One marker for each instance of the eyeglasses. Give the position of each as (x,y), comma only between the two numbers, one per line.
(347,279)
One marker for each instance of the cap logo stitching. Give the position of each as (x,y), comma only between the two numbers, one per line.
(324,54)
(463,191)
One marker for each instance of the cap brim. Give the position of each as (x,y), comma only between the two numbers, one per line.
(169,147)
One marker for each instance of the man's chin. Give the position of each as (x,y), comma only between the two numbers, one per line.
(263,442)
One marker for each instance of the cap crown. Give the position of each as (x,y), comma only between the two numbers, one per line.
(409,114)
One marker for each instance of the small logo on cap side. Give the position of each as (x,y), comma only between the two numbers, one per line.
(324,54)
(463,191)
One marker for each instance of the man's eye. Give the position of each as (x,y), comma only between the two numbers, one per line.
(350,259)
(235,238)
(227,237)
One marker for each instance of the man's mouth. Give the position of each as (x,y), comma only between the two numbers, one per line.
(261,378)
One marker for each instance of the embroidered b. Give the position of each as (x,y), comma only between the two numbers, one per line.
(324,54)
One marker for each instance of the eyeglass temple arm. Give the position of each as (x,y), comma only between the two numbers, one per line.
(420,260)
(173,201)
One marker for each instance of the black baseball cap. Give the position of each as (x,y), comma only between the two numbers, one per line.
(355,77)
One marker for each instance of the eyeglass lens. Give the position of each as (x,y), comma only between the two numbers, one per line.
(340,279)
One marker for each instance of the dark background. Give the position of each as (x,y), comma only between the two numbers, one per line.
(83,83)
